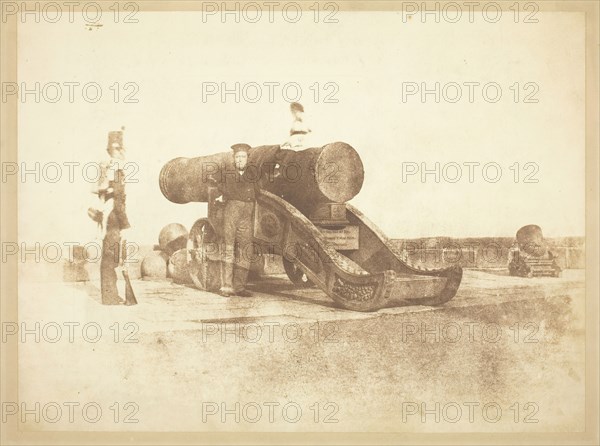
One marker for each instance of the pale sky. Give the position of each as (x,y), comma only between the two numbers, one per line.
(369,56)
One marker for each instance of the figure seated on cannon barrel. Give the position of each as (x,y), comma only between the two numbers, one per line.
(529,256)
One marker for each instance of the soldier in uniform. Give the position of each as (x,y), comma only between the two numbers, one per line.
(114,218)
(238,191)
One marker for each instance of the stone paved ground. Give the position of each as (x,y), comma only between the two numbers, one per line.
(506,354)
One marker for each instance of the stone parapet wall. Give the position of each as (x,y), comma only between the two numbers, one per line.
(484,252)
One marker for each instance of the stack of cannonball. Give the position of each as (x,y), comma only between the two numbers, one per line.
(161,263)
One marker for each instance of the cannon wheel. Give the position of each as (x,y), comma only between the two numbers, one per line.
(204,273)
(296,275)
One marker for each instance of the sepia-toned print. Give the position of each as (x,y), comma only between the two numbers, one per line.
(299,222)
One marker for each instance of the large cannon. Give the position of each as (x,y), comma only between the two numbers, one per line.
(302,215)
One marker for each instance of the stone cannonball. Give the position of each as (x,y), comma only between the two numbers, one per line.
(172,237)
(178,267)
(154,265)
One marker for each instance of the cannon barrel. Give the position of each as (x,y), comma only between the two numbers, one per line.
(531,240)
(306,178)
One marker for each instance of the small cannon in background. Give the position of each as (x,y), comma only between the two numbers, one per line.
(302,214)
(530,257)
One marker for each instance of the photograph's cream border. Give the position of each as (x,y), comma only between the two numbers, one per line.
(9,280)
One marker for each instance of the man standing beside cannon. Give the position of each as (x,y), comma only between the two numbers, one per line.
(237,188)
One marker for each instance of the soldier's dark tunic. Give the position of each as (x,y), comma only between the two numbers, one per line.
(117,220)
(239,195)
